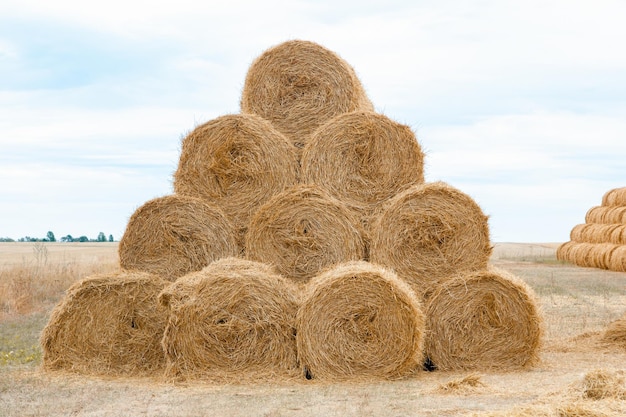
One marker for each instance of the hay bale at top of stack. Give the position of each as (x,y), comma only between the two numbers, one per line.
(429,233)
(302,231)
(298,85)
(615,197)
(363,158)
(359,320)
(108,324)
(238,162)
(175,234)
(235,319)
(483,320)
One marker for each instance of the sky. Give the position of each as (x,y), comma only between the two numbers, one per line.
(519,104)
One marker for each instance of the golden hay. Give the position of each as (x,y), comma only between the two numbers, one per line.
(302,231)
(173,235)
(617,259)
(606,215)
(618,235)
(564,251)
(469,384)
(234,320)
(483,320)
(589,255)
(237,162)
(601,384)
(359,320)
(108,324)
(363,158)
(431,232)
(597,233)
(615,334)
(615,197)
(298,85)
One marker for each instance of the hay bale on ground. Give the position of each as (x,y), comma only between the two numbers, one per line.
(615,197)
(173,235)
(429,233)
(298,85)
(564,251)
(615,334)
(236,162)
(234,320)
(108,324)
(606,215)
(359,320)
(302,231)
(363,158)
(483,320)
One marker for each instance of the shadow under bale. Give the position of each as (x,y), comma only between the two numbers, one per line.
(234,320)
(109,324)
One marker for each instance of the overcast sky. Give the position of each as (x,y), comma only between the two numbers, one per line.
(520,104)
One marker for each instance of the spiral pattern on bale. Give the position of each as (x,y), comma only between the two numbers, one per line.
(483,320)
(359,320)
(173,235)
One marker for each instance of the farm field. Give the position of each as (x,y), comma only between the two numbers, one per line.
(577,305)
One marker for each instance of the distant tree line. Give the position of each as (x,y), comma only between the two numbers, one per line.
(69,238)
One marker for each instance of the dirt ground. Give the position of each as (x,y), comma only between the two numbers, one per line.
(577,304)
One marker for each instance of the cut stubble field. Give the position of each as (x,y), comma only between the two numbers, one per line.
(577,305)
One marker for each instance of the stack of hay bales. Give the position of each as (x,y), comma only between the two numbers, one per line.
(302,240)
(600,242)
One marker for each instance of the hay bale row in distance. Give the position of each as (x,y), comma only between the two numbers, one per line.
(606,215)
(483,320)
(237,162)
(233,319)
(108,324)
(363,158)
(359,320)
(173,235)
(593,255)
(615,197)
(431,232)
(302,231)
(299,85)
(599,233)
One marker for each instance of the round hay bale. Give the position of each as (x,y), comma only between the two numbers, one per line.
(615,197)
(598,233)
(235,319)
(564,251)
(302,231)
(593,255)
(237,162)
(431,232)
(298,85)
(359,320)
(615,334)
(108,324)
(363,158)
(617,259)
(618,235)
(173,235)
(483,320)
(606,215)
(577,234)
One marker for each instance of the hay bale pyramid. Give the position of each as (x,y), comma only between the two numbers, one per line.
(302,241)
(600,242)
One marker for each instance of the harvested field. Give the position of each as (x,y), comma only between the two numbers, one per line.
(577,373)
